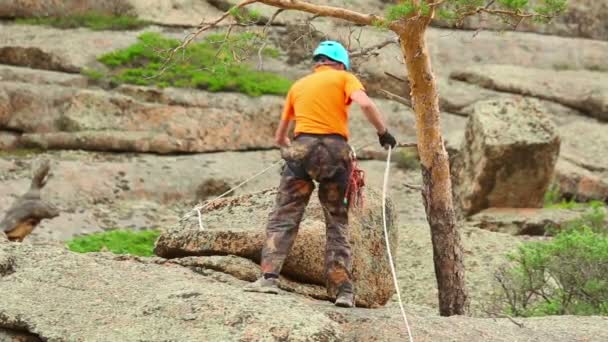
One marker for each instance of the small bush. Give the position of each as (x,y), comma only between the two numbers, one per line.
(139,243)
(567,275)
(211,65)
(93,21)
(92,74)
(554,199)
(407,159)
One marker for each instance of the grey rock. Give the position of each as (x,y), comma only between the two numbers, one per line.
(102,302)
(525,221)
(27,75)
(235,226)
(9,140)
(585,143)
(508,156)
(579,183)
(583,90)
(53,49)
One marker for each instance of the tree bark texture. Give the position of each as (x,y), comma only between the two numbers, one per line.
(437,187)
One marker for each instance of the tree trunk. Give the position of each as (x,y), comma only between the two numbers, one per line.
(437,188)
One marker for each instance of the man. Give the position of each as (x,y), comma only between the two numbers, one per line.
(319,105)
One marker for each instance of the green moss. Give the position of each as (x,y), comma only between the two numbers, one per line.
(92,74)
(94,21)
(209,65)
(20,152)
(139,243)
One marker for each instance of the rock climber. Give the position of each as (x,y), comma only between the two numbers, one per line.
(318,103)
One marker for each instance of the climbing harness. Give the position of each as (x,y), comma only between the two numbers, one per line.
(353,196)
(388,245)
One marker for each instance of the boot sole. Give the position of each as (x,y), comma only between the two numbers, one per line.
(343,304)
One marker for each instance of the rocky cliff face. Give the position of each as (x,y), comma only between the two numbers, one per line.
(138,157)
(103,297)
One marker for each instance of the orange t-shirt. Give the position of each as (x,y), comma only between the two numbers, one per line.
(319,102)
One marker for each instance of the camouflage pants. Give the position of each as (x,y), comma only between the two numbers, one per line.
(325,159)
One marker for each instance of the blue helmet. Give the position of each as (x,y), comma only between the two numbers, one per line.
(334,51)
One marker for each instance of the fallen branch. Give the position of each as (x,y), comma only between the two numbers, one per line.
(396,77)
(413,187)
(496,315)
(411,144)
(397,98)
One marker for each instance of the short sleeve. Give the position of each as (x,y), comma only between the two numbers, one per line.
(352,84)
(288,112)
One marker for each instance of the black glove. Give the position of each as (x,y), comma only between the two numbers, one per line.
(386,139)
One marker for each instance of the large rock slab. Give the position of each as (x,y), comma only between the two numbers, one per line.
(174,12)
(508,156)
(126,299)
(41,47)
(98,191)
(585,143)
(171,120)
(525,221)
(57,117)
(27,75)
(236,226)
(583,90)
(582,18)
(452,50)
(579,183)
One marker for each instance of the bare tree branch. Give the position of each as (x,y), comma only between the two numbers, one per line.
(202,28)
(373,49)
(412,187)
(396,77)
(396,98)
(408,144)
(263,46)
(327,11)
(515,14)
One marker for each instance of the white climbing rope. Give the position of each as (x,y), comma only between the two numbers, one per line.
(388,246)
(198,208)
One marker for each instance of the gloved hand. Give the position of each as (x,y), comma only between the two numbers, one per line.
(386,139)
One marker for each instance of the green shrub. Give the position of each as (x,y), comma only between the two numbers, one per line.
(209,65)
(92,74)
(91,20)
(139,243)
(567,275)
(407,159)
(554,199)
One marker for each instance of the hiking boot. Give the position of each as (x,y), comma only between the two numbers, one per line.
(264,285)
(345,299)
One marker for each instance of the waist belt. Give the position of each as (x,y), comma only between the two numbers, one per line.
(320,136)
